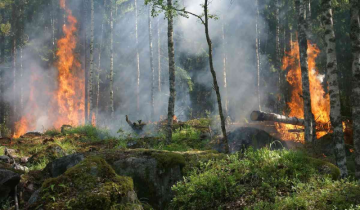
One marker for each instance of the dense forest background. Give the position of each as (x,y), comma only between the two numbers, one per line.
(30,31)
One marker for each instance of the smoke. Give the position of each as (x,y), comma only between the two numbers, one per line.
(39,78)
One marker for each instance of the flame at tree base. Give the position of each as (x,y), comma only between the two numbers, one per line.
(320,101)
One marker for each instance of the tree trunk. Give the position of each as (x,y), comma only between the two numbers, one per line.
(137,59)
(225,70)
(111,60)
(308,116)
(99,65)
(334,92)
(308,12)
(152,116)
(91,103)
(355,42)
(85,62)
(272,117)
(20,38)
(278,58)
(171,105)
(215,83)
(159,54)
(14,54)
(258,54)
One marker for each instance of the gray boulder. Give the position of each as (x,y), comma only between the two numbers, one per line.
(61,165)
(245,137)
(152,179)
(8,181)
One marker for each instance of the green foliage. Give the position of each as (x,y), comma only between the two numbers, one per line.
(322,194)
(257,179)
(52,132)
(5,131)
(39,165)
(89,133)
(5,28)
(184,78)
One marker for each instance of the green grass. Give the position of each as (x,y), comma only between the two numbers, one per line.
(2,150)
(265,179)
(52,132)
(40,165)
(90,133)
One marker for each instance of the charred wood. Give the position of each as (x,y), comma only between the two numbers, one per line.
(263,116)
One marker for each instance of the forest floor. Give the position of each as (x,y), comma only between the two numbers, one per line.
(190,174)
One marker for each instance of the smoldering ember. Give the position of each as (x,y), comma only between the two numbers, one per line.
(179,104)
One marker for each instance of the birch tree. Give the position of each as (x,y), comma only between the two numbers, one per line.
(257,42)
(302,39)
(355,42)
(151,66)
(137,58)
(159,54)
(111,76)
(99,63)
(334,92)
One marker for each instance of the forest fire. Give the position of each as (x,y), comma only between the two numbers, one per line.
(69,98)
(320,101)
(67,104)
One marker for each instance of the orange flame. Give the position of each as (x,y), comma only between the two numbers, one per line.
(320,101)
(25,123)
(67,105)
(69,98)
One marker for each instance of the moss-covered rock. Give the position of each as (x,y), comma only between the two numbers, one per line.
(155,172)
(92,184)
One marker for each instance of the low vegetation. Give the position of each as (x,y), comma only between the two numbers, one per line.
(254,179)
(265,179)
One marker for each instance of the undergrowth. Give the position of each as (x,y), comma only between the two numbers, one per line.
(265,179)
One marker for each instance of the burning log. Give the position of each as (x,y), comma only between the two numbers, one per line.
(263,116)
(137,127)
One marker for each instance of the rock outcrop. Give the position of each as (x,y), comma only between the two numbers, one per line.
(90,185)
(8,181)
(61,165)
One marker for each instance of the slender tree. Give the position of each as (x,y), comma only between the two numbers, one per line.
(303,46)
(257,42)
(171,55)
(14,55)
(99,63)
(159,54)
(151,66)
(225,69)
(205,22)
(355,42)
(91,103)
(332,74)
(278,57)
(137,58)
(84,22)
(111,59)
